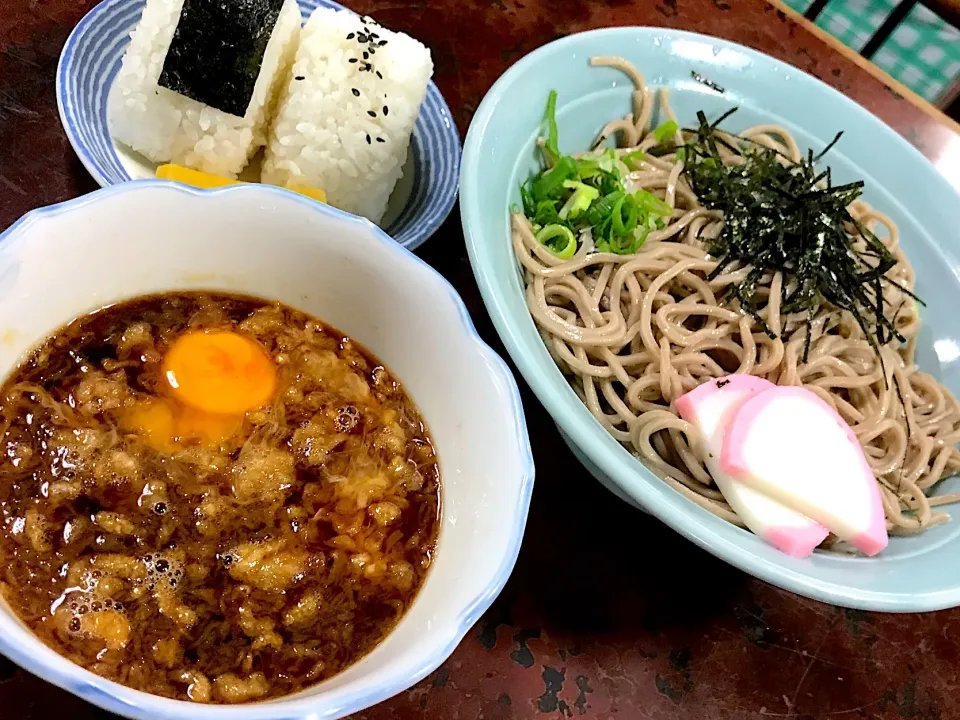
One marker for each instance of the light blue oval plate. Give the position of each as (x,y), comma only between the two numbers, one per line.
(913,573)
(91,59)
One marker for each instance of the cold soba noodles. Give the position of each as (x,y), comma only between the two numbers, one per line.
(692,276)
(212,497)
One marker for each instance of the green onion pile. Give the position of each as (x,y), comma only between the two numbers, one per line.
(569,196)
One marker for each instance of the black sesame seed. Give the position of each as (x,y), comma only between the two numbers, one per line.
(299,77)
(373,35)
(356,92)
(351,36)
(352,60)
(382,43)
(379,75)
(362,38)
(372,51)
(371,113)
(386,110)
(368,67)
(368,138)
(381,140)
(366,56)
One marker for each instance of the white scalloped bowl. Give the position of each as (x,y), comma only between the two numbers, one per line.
(145,237)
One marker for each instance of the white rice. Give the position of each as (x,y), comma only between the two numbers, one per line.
(168,127)
(323,134)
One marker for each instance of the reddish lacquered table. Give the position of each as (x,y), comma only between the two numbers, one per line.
(609,614)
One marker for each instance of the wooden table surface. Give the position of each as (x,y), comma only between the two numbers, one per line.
(609,614)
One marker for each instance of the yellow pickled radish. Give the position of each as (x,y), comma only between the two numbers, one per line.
(196,178)
(199,179)
(315,193)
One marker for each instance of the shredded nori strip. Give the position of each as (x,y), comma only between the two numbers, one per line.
(785,216)
(703,80)
(217,51)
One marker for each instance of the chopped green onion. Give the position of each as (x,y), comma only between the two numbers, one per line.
(552,142)
(602,208)
(651,204)
(546,213)
(588,168)
(608,162)
(632,160)
(640,237)
(682,155)
(559,240)
(526,197)
(621,226)
(547,185)
(624,244)
(666,130)
(569,196)
(577,204)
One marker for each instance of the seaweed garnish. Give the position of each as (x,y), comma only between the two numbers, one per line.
(903,404)
(703,80)
(785,216)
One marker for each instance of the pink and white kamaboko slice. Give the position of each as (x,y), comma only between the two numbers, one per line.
(789,444)
(711,407)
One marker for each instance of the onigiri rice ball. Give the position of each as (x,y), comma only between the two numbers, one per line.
(167,126)
(345,118)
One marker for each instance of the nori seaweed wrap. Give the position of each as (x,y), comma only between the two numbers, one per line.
(217,51)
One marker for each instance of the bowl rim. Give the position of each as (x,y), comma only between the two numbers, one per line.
(139,704)
(576,422)
(421,221)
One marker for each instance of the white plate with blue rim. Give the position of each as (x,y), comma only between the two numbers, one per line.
(91,59)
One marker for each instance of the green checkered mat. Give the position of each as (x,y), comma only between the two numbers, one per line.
(923,52)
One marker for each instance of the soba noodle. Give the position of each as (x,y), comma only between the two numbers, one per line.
(635,332)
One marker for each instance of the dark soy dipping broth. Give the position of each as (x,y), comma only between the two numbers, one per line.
(211,557)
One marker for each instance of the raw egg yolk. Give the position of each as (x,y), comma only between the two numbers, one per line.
(165,425)
(219,372)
